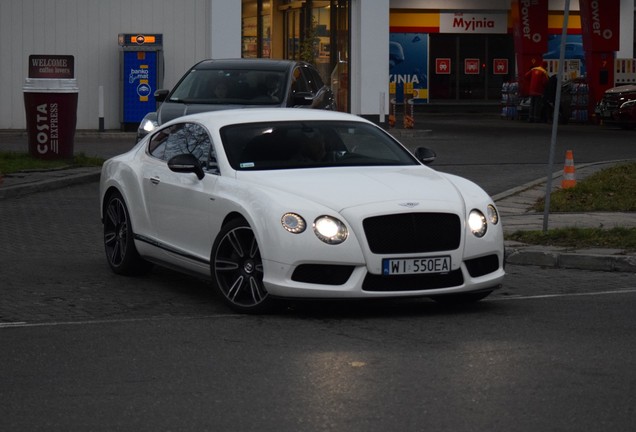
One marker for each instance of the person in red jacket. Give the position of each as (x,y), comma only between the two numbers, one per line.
(536,80)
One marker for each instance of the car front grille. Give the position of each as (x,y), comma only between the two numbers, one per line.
(610,101)
(412,232)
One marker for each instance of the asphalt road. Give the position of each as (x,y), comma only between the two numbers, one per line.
(84,349)
(561,363)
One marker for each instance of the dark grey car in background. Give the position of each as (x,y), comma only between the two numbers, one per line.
(212,85)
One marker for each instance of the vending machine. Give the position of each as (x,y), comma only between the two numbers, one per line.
(141,73)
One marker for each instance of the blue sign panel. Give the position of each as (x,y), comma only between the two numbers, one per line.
(408,63)
(140,82)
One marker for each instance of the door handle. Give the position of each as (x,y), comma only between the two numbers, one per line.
(155,180)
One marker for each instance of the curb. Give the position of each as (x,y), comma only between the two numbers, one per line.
(50,184)
(529,255)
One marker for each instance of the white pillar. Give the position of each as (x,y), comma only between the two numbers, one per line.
(225,29)
(369,62)
(626,48)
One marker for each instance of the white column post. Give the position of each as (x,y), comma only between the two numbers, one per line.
(369,62)
(225,29)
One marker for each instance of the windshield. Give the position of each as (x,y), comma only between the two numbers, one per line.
(225,86)
(310,144)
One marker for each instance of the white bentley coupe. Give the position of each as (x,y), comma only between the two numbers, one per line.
(293,203)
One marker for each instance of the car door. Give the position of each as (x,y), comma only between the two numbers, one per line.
(179,205)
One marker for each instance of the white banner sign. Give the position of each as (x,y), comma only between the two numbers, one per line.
(472,23)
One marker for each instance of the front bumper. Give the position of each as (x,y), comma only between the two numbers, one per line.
(282,280)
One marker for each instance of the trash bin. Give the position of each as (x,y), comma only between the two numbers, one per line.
(51,116)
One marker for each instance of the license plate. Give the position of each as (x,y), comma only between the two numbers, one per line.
(404,266)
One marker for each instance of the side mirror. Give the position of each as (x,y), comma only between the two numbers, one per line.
(161,94)
(186,163)
(303,98)
(425,155)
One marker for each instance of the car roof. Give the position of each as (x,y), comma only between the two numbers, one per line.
(247,64)
(627,88)
(219,119)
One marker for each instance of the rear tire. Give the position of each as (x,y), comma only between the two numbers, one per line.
(119,242)
(237,269)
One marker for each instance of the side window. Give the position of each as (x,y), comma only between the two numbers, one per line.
(184,138)
(299,83)
(313,79)
(159,142)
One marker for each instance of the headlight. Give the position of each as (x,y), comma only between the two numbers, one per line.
(330,230)
(477,223)
(148,125)
(294,223)
(628,104)
(492,214)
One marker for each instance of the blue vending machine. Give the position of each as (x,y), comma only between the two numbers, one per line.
(141,66)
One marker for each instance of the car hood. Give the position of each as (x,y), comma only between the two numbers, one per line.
(345,188)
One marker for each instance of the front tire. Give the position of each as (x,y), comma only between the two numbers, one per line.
(237,268)
(119,244)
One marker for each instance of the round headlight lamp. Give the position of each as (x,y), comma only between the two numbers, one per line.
(477,223)
(493,215)
(293,223)
(330,230)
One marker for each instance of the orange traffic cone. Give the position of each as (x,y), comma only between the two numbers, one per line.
(569,178)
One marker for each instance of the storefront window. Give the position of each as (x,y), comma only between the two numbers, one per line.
(477,66)
(318,32)
(312,30)
(256,29)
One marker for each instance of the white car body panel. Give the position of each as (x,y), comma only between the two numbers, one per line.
(183,214)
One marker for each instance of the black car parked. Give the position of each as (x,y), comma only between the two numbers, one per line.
(618,107)
(212,85)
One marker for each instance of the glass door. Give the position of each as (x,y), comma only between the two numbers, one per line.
(318,32)
(471,74)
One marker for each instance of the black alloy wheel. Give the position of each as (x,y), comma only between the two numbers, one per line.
(119,244)
(237,268)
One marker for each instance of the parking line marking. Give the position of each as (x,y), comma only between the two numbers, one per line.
(541,296)
(107,321)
